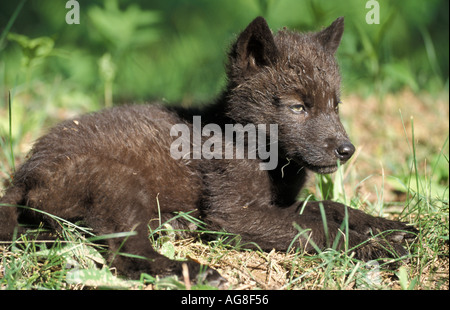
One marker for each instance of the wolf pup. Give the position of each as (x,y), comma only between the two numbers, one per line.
(113,169)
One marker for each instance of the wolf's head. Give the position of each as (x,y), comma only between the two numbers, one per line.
(292,80)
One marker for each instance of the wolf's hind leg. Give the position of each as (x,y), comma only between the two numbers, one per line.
(13,197)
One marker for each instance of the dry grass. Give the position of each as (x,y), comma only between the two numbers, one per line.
(249,270)
(381,129)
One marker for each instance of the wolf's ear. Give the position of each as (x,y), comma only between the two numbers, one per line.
(330,37)
(254,47)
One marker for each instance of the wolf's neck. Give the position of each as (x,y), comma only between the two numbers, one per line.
(287,181)
(212,113)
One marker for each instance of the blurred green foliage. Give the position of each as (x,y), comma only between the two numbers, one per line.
(174,50)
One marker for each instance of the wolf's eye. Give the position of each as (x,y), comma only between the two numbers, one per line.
(297,108)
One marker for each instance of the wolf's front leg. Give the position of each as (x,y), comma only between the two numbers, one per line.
(314,226)
(368,236)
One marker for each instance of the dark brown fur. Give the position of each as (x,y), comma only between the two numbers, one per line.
(112,168)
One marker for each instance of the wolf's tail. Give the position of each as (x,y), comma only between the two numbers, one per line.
(13,197)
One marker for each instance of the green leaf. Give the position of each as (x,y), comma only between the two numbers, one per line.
(405,284)
(168,249)
(102,278)
(129,28)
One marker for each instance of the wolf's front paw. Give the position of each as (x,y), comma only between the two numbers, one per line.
(385,239)
(368,236)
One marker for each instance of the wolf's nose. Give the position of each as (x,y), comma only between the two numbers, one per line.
(345,151)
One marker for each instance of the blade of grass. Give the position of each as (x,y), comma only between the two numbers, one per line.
(325,224)
(10,133)
(11,22)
